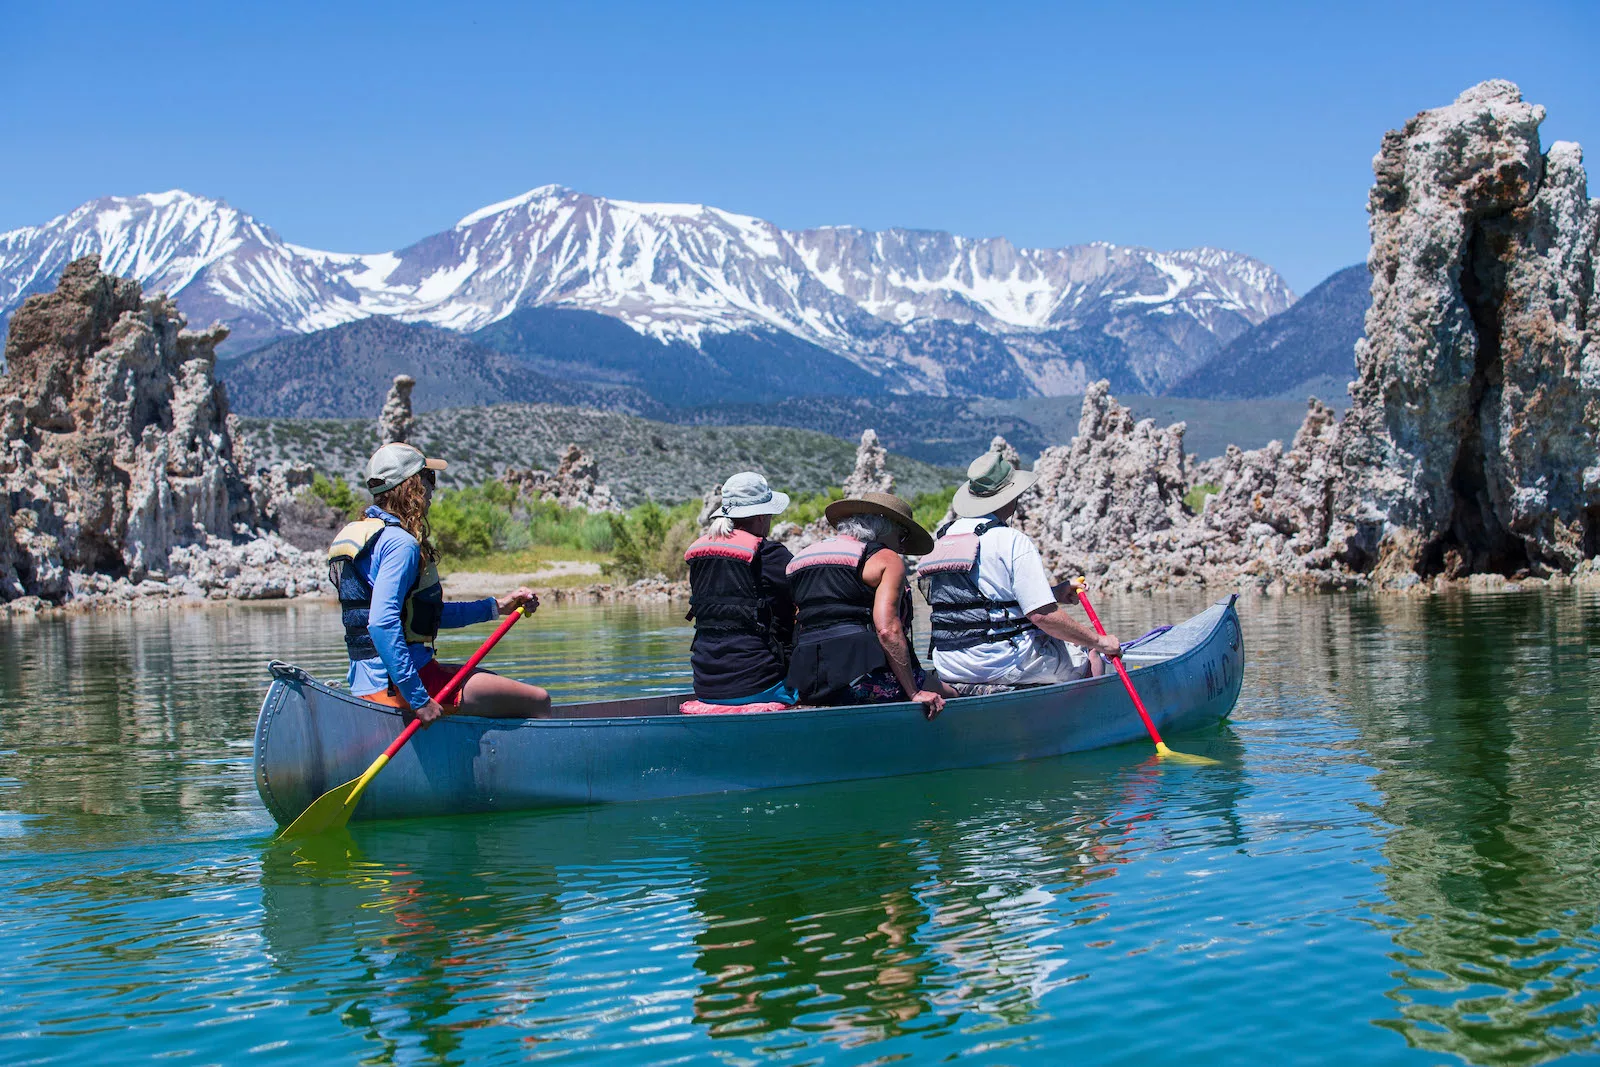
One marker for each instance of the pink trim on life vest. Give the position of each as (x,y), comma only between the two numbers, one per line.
(952,552)
(741,545)
(835,551)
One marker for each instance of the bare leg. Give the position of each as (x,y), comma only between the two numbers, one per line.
(495,697)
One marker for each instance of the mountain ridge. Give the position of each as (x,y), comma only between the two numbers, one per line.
(922,311)
(346,371)
(1307,349)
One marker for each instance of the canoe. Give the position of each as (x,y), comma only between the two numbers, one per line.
(311,737)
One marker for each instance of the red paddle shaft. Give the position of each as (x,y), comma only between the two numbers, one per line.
(455,683)
(1138,704)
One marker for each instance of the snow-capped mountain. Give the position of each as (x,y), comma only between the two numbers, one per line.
(922,311)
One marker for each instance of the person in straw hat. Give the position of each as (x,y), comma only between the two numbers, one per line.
(383,566)
(854,644)
(740,602)
(995,618)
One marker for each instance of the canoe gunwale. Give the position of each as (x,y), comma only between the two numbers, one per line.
(281,670)
(328,735)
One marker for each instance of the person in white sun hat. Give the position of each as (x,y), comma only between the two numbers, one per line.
(995,618)
(384,566)
(739,600)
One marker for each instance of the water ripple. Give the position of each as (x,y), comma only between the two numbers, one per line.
(1395,860)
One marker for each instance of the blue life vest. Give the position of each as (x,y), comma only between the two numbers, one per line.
(424,604)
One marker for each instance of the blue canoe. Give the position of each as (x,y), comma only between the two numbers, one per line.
(310,737)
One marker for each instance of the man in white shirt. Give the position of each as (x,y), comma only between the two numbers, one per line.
(997,618)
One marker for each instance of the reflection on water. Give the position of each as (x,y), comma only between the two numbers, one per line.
(1395,860)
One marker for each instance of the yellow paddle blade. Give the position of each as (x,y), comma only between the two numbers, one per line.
(1177,757)
(330,811)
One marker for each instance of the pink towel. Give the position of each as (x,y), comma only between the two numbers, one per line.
(700,707)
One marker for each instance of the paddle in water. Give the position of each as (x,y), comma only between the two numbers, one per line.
(332,809)
(1162,750)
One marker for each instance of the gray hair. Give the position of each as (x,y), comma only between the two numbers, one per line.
(869,528)
(721,528)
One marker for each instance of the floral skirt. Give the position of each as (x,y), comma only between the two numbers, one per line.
(881,687)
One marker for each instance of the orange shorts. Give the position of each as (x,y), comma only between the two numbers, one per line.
(434,675)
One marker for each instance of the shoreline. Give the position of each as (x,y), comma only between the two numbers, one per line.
(660,591)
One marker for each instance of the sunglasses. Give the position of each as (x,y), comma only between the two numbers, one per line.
(429,478)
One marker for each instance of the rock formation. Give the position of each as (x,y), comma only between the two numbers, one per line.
(710,504)
(575,483)
(1111,506)
(395,421)
(119,462)
(1117,481)
(870,475)
(1471,443)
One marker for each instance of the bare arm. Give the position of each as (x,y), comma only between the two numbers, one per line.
(886,572)
(1057,623)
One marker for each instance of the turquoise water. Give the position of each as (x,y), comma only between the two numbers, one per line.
(1396,861)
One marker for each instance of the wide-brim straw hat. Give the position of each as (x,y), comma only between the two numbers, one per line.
(916,542)
(992,483)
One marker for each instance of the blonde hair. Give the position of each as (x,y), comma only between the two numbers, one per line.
(408,502)
(721,528)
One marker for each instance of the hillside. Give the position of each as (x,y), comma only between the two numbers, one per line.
(346,370)
(748,365)
(640,459)
(1307,350)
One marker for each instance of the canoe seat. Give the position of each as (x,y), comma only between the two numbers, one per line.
(981,689)
(700,707)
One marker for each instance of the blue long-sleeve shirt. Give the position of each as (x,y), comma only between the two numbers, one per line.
(391,569)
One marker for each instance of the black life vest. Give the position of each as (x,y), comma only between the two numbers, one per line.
(962,616)
(725,594)
(829,589)
(422,611)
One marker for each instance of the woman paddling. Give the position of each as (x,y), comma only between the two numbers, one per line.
(384,566)
(855,609)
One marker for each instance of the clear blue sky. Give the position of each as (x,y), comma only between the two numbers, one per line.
(363,127)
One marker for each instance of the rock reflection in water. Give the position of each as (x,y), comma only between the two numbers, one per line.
(1485,739)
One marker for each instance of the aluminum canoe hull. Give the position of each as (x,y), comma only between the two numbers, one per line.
(310,737)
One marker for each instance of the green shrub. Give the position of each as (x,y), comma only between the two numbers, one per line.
(338,495)
(1195,499)
(548,523)
(651,540)
(929,508)
(472,522)
(492,518)
(806,508)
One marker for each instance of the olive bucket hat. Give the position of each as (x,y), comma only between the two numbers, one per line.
(992,483)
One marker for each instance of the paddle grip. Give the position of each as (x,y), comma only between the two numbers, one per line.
(1138,705)
(455,683)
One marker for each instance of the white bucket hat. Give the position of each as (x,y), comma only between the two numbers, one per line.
(747,493)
